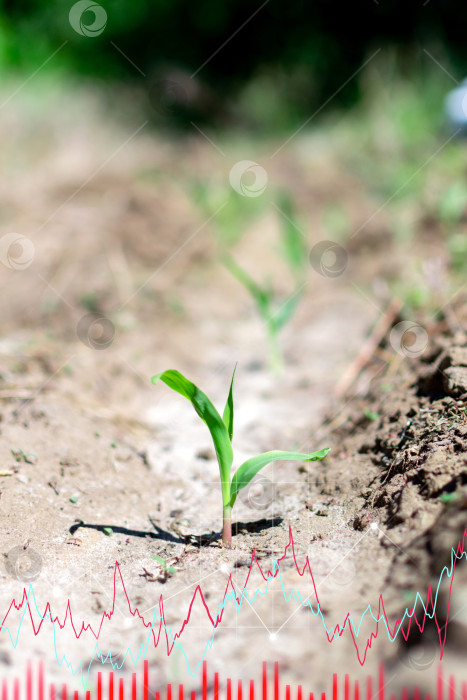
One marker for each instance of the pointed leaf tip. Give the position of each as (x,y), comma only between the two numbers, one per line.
(248,470)
(321,454)
(209,415)
(228,415)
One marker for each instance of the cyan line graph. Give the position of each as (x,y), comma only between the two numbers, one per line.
(157,627)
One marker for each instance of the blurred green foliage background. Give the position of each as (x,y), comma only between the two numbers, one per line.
(301,51)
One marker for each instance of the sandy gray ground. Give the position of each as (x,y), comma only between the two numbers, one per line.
(96,446)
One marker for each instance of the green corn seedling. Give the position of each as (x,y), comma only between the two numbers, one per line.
(221,429)
(273,318)
(274,314)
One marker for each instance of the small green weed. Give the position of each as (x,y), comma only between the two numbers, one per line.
(163,564)
(370,415)
(20,456)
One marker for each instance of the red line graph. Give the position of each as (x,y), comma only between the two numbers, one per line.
(158,632)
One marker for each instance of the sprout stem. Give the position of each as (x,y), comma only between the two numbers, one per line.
(227,526)
(274,351)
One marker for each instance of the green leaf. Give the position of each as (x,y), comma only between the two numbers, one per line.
(287,310)
(370,415)
(448,497)
(251,467)
(228,416)
(163,565)
(159,560)
(294,245)
(108,531)
(207,412)
(261,296)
